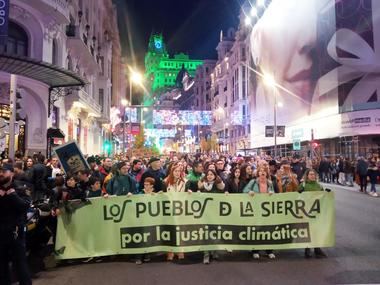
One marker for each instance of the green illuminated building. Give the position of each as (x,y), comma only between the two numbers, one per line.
(161,70)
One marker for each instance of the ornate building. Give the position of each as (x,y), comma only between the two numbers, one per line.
(62,39)
(230,96)
(160,70)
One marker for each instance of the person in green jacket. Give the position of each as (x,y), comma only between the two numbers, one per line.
(194,176)
(121,184)
(310,183)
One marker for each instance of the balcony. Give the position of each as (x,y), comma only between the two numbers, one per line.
(77,40)
(81,99)
(58,9)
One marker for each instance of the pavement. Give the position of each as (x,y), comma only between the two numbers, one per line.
(354,260)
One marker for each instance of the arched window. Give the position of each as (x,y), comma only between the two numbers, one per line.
(54,53)
(17,42)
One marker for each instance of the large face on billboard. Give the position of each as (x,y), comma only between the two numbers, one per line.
(324,56)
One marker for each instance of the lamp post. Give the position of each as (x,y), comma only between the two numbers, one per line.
(270,82)
(137,78)
(124,103)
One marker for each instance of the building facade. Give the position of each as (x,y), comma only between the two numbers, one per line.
(230,91)
(202,85)
(76,36)
(161,70)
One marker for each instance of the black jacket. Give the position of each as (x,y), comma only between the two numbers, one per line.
(158,176)
(13,209)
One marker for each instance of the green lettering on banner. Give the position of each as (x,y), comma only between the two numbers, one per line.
(181,222)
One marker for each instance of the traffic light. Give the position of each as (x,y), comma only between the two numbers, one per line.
(314,145)
(20,113)
(107,146)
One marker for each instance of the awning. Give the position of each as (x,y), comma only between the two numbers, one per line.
(55,133)
(52,75)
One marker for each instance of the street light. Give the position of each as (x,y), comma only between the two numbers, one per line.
(135,77)
(271,82)
(124,103)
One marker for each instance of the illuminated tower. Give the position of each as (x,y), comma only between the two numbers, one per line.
(160,70)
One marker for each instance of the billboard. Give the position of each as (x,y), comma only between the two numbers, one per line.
(324,56)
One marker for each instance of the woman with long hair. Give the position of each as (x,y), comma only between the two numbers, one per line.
(210,183)
(175,182)
(261,185)
(234,182)
(246,173)
(287,180)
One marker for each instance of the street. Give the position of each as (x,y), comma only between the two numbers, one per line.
(354,260)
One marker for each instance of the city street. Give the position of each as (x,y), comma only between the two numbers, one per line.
(354,260)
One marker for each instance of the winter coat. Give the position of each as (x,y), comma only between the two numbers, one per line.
(373,173)
(120,185)
(362,167)
(13,210)
(158,176)
(192,180)
(309,186)
(253,185)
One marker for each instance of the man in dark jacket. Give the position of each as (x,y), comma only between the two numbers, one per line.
(40,190)
(14,203)
(324,170)
(298,167)
(361,170)
(155,171)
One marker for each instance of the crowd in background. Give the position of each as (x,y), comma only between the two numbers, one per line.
(40,178)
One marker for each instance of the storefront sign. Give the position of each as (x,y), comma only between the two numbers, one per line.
(181,222)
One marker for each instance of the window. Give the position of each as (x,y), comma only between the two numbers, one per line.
(17,41)
(244,82)
(55,117)
(101,99)
(243,53)
(54,53)
(70,63)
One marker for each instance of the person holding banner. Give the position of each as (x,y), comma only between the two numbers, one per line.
(261,185)
(246,173)
(234,182)
(211,183)
(72,191)
(194,176)
(148,184)
(155,171)
(175,183)
(310,183)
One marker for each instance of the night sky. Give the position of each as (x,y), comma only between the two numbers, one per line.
(191,26)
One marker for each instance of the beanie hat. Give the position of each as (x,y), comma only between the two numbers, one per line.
(153,159)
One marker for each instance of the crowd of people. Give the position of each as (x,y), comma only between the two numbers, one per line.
(34,178)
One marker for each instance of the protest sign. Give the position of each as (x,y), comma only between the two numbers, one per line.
(71,158)
(182,222)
